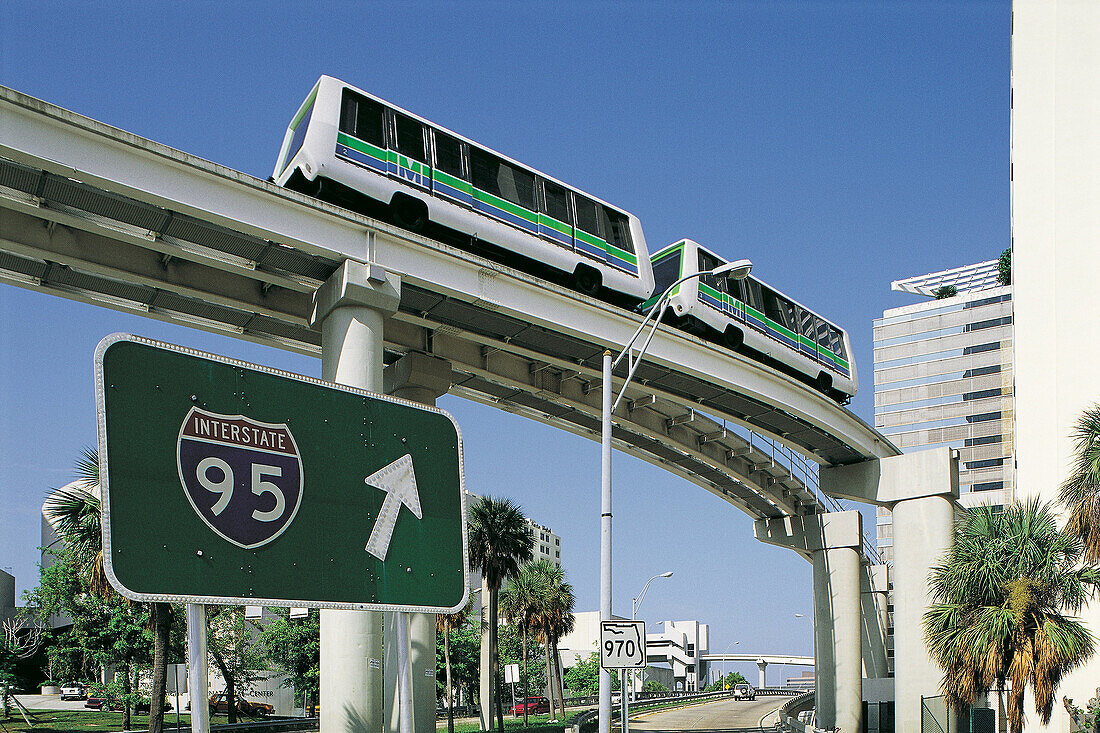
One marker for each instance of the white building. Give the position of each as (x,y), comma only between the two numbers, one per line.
(1056,259)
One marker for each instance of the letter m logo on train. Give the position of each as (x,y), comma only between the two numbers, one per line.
(243,477)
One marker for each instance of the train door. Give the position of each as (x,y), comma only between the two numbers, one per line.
(409,145)
(556,214)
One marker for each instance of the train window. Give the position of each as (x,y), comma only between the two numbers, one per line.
(790,311)
(836,342)
(773,308)
(666,271)
(588,214)
(616,229)
(493,175)
(410,137)
(823,334)
(708,262)
(556,202)
(755,294)
(363,118)
(448,154)
(736,289)
(806,324)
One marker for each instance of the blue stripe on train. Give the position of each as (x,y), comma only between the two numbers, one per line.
(621,264)
(504,215)
(555,235)
(452,193)
(355,156)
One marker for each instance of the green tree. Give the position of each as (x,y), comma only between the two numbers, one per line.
(1004,267)
(445,623)
(520,601)
(584,676)
(465,645)
(294,644)
(75,514)
(234,644)
(1080,492)
(512,649)
(500,544)
(554,619)
(653,686)
(1003,597)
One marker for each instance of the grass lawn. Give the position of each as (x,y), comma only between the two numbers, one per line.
(536,724)
(94,721)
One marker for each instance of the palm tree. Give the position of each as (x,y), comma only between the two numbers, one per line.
(555,620)
(520,602)
(75,512)
(500,543)
(445,623)
(1080,493)
(1003,599)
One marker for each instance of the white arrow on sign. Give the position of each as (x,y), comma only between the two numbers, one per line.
(399,483)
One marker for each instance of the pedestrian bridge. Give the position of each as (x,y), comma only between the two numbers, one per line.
(760,660)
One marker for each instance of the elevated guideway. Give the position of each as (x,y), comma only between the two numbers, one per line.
(96,214)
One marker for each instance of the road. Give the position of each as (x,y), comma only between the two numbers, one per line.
(724,716)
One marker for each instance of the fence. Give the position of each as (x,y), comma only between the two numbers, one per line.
(938,717)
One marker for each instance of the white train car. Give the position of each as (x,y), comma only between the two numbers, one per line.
(750,316)
(425,173)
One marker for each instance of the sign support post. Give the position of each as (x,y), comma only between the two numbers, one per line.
(622,647)
(197,675)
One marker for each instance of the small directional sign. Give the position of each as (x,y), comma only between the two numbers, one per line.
(226,482)
(622,645)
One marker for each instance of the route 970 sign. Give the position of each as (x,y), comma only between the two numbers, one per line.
(226,482)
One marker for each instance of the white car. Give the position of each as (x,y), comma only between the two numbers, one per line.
(73,691)
(743,692)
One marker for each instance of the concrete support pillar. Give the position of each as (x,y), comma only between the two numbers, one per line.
(921,490)
(419,378)
(873,584)
(350,309)
(761,665)
(833,542)
(927,523)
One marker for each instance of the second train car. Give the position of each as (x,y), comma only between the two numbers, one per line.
(750,316)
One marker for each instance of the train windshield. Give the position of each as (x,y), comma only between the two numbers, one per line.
(666,271)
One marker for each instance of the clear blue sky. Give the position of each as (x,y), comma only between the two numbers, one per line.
(838,145)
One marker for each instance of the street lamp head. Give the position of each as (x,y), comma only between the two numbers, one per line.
(667,575)
(736,270)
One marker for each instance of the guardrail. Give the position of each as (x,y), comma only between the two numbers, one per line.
(790,710)
(588,716)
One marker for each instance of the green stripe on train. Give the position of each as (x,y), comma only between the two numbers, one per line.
(521,212)
(363,147)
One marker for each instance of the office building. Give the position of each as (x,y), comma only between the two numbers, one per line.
(943,377)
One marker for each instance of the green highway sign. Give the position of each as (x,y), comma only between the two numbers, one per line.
(227,482)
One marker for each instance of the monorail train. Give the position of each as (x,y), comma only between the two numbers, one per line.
(750,316)
(345,144)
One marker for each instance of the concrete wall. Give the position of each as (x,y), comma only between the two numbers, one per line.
(1056,231)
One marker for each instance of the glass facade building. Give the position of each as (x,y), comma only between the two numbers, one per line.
(943,377)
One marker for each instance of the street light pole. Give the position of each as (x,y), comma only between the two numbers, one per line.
(736,270)
(628,690)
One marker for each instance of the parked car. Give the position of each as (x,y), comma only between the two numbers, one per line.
(97,703)
(73,691)
(743,692)
(220,706)
(533,704)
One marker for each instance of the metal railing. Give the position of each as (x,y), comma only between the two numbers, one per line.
(587,718)
(790,711)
